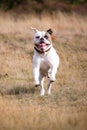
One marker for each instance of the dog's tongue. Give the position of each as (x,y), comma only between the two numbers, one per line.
(42,45)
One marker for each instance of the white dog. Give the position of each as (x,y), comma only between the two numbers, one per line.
(45,59)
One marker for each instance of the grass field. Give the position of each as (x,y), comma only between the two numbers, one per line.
(21,107)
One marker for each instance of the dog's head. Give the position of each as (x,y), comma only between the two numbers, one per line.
(42,39)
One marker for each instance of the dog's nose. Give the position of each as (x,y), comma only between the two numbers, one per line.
(41,39)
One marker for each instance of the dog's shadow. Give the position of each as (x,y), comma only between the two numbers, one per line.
(19,90)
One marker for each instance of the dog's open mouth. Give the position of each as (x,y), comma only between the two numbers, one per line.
(43,46)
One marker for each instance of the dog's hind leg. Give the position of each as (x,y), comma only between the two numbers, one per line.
(42,91)
(49,87)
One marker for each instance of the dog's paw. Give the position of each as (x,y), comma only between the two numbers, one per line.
(52,79)
(37,85)
(49,91)
(42,92)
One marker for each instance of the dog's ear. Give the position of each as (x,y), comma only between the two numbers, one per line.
(34,29)
(50,31)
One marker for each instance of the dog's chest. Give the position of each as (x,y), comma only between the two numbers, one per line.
(44,65)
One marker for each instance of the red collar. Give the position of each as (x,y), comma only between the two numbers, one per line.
(41,52)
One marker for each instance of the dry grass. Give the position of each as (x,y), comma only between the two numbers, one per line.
(21,107)
(61,22)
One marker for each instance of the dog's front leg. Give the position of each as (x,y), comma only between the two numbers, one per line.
(36,76)
(52,79)
(36,72)
(54,63)
(53,73)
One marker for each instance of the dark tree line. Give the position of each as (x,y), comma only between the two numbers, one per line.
(9,4)
(75,1)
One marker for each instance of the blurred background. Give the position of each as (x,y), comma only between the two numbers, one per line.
(40,6)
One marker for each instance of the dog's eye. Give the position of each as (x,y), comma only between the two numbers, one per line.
(37,37)
(46,37)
